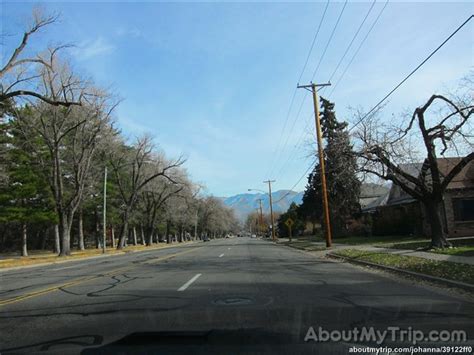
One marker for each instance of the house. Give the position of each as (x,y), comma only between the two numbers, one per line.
(371,193)
(458,200)
(397,212)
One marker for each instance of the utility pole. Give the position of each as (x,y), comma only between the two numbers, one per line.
(196,226)
(105,212)
(271,207)
(257,223)
(261,215)
(313,88)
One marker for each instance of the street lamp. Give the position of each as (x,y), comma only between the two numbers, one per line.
(271,205)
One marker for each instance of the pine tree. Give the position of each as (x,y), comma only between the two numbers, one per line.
(341,172)
(311,208)
(24,194)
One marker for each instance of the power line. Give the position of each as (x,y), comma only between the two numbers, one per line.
(288,135)
(358,48)
(299,144)
(294,93)
(337,67)
(301,178)
(314,73)
(329,40)
(411,73)
(353,39)
(314,40)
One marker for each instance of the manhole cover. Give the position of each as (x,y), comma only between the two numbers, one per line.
(234,301)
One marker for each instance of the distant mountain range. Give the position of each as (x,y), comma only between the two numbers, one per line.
(243,204)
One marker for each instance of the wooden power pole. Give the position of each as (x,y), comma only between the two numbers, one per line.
(271,207)
(260,215)
(313,88)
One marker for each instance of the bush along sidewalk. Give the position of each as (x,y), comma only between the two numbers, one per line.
(456,274)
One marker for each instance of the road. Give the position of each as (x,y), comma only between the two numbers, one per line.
(235,295)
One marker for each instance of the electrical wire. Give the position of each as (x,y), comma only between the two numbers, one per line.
(352,41)
(329,40)
(411,73)
(358,48)
(294,93)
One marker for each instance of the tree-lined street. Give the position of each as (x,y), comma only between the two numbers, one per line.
(203,177)
(254,295)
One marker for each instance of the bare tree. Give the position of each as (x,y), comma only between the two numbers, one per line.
(19,74)
(437,128)
(155,196)
(133,169)
(215,218)
(68,138)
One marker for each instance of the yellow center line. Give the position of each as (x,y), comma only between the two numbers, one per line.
(84,279)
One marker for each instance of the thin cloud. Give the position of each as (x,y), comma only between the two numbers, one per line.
(128,32)
(93,48)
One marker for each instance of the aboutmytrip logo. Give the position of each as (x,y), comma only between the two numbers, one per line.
(370,334)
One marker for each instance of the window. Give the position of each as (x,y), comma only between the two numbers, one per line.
(463,209)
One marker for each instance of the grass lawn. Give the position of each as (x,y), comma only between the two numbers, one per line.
(461,247)
(359,240)
(375,240)
(444,269)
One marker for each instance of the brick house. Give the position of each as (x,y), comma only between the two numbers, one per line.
(459,199)
(399,213)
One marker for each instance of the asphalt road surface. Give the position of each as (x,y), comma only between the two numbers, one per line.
(227,296)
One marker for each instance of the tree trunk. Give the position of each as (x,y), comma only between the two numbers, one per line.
(97,230)
(123,231)
(142,235)
(135,241)
(81,231)
(150,236)
(168,236)
(112,234)
(438,235)
(65,233)
(24,246)
(57,247)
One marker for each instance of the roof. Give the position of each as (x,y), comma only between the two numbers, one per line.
(379,201)
(465,179)
(370,190)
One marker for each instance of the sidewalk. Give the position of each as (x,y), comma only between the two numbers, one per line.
(451,270)
(420,254)
(406,252)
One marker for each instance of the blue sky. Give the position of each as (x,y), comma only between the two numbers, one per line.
(214,81)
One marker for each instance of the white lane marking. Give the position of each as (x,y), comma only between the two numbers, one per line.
(64,268)
(220,256)
(187,284)
(228,248)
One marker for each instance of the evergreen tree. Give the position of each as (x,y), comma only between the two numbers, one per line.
(311,208)
(298,224)
(341,169)
(24,195)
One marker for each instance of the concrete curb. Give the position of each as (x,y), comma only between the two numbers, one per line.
(59,262)
(458,284)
